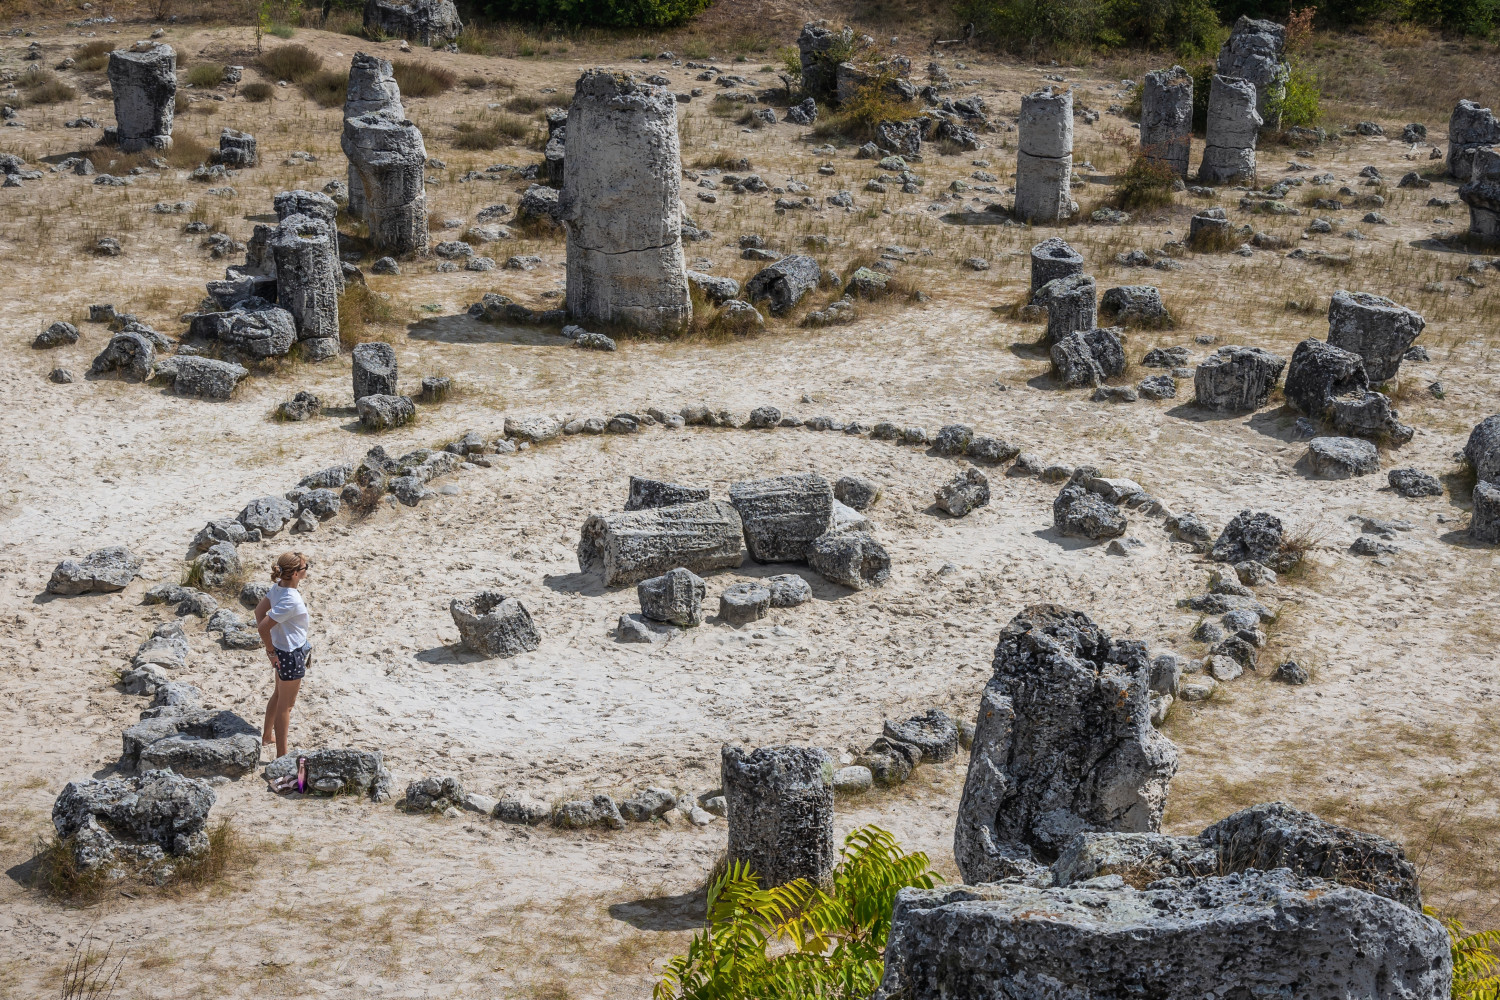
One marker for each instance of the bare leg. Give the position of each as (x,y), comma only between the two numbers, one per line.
(265,736)
(286,697)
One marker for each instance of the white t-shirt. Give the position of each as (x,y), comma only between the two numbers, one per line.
(290,616)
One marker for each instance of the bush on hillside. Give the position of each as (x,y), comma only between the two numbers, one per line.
(1183,26)
(600,13)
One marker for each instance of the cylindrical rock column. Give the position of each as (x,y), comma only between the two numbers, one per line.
(1482,194)
(1044,157)
(318,206)
(145,91)
(308,276)
(1072,305)
(388,155)
(780,802)
(372,89)
(1053,258)
(1229,144)
(1167,118)
(621,202)
(374,370)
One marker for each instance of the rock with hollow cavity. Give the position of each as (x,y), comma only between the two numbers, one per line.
(492,624)
(196,743)
(621,204)
(780,811)
(1051,259)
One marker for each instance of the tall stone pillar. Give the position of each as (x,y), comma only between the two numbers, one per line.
(1044,157)
(780,802)
(1229,144)
(1167,118)
(308,277)
(388,155)
(145,92)
(372,88)
(621,204)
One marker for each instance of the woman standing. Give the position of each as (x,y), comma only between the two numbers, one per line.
(281,619)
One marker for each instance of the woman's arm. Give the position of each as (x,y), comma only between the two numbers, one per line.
(261,610)
(263,625)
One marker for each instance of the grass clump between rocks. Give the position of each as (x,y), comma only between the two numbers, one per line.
(293,63)
(326,88)
(1145,184)
(91,57)
(492,132)
(205,75)
(42,86)
(422,79)
(59,875)
(359,307)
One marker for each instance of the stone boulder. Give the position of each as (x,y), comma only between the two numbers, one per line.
(130,354)
(1229,140)
(1342,457)
(140,820)
(383,413)
(1063,744)
(647,804)
(1484,525)
(965,492)
(1167,118)
(1481,192)
(236,149)
(1071,303)
(1084,359)
(268,515)
(388,156)
(1255,537)
(197,743)
(205,378)
(648,493)
(852,558)
(783,516)
(1135,305)
(788,590)
(582,814)
(492,624)
(426,22)
(1236,379)
(251,325)
(1375,328)
(374,370)
(1414,483)
(855,492)
(631,546)
(675,596)
(934,734)
(1470,127)
(784,283)
(743,603)
(1482,450)
(101,571)
(1256,52)
(1247,934)
(1078,512)
(218,565)
(1369,414)
(780,811)
(1318,372)
(337,771)
(56,335)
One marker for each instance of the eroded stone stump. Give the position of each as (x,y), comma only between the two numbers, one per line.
(1044,157)
(388,155)
(1229,143)
(372,90)
(308,275)
(621,204)
(144,85)
(1481,192)
(780,802)
(1167,118)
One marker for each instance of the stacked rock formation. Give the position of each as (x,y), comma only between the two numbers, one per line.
(1051,259)
(1167,118)
(388,156)
(372,90)
(309,276)
(1256,51)
(144,85)
(1481,192)
(1044,157)
(1229,143)
(427,22)
(1063,744)
(1470,127)
(780,810)
(621,204)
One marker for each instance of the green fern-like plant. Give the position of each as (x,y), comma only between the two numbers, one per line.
(838,934)
(1476,967)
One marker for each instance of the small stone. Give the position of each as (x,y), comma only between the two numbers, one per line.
(1291,672)
(744,603)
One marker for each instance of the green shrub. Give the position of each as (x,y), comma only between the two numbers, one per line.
(206,75)
(1203,79)
(1476,968)
(1145,184)
(1184,26)
(600,13)
(837,935)
(257,92)
(1300,105)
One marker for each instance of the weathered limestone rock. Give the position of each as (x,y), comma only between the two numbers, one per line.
(1229,142)
(308,275)
(337,771)
(1342,457)
(492,624)
(1085,359)
(1209,229)
(237,149)
(1375,328)
(1469,128)
(852,558)
(130,354)
(675,596)
(1072,304)
(933,733)
(788,590)
(784,283)
(582,814)
(621,204)
(1250,536)
(388,156)
(965,492)
(631,546)
(784,515)
(197,743)
(1247,934)
(1044,157)
(1236,379)
(252,326)
(384,412)
(744,603)
(1318,372)
(1051,259)
(1481,192)
(1482,450)
(780,811)
(205,378)
(372,89)
(103,570)
(1063,744)
(1135,305)
(1167,118)
(1256,52)
(646,493)
(426,22)
(1369,414)
(144,85)
(1484,525)
(144,818)
(1078,512)
(374,370)
(815,47)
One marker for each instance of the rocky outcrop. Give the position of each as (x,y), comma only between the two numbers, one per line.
(1063,744)
(1470,127)
(1236,379)
(138,821)
(372,89)
(621,204)
(426,22)
(1256,52)
(195,742)
(103,570)
(1375,328)
(309,275)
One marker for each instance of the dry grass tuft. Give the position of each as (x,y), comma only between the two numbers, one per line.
(293,63)
(58,874)
(1145,184)
(91,57)
(493,131)
(205,75)
(257,92)
(360,308)
(422,79)
(530,104)
(42,86)
(326,88)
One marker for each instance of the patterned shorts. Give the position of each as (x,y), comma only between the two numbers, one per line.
(293,666)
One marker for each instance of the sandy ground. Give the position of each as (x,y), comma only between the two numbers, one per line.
(1398,733)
